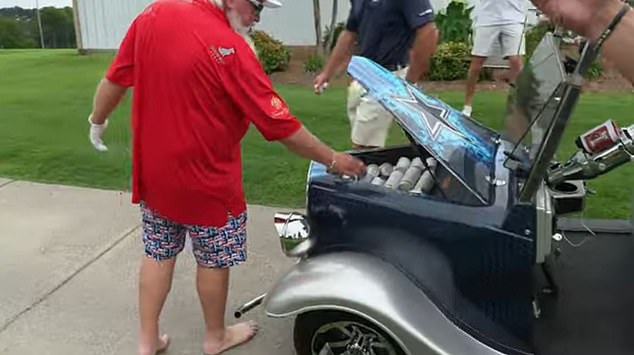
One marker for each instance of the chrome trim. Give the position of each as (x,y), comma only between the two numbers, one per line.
(544,216)
(370,288)
(294,233)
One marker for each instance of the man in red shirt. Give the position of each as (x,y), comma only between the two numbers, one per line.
(197,87)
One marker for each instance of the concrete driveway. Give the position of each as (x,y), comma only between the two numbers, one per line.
(68,272)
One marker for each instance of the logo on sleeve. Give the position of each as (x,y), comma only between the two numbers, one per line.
(220,53)
(279,108)
(226,51)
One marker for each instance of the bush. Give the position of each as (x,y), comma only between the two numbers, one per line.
(273,55)
(450,62)
(595,71)
(339,27)
(313,64)
(455,24)
(535,35)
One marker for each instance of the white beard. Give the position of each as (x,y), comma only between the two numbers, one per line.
(236,24)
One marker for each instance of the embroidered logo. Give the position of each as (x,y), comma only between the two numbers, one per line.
(226,51)
(280,110)
(276,103)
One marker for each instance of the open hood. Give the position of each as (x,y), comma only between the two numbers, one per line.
(465,148)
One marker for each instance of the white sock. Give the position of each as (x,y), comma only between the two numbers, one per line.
(466,110)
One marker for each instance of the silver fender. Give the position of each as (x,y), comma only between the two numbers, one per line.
(375,290)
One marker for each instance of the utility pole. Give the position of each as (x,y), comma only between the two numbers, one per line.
(39,22)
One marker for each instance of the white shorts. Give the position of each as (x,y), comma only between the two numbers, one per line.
(499,40)
(369,121)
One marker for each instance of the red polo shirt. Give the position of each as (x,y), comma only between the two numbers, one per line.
(197,87)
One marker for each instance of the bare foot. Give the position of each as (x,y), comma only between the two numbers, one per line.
(161,345)
(235,335)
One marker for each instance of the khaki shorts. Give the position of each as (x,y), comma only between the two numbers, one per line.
(369,121)
(499,41)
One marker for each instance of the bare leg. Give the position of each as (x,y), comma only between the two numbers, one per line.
(516,67)
(472,79)
(155,282)
(213,285)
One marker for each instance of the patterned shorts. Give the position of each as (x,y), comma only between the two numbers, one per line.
(213,247)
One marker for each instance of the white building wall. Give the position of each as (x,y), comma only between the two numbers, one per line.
(103,23)
(293,23)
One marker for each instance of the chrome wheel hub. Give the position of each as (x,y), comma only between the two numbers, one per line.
(349,338)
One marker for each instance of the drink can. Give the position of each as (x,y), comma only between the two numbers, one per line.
(599,138)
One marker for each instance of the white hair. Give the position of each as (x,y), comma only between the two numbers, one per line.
(235,24)
(217,3)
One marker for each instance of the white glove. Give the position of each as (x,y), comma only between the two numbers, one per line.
(320,89)
(96,131)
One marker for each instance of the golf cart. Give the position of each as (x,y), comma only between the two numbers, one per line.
(450,244)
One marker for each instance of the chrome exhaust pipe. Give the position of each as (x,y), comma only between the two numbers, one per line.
(248,306)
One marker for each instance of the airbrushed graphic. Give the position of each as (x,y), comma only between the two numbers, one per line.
(434,124)
(434,117)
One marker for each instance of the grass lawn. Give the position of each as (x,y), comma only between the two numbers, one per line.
(45,97)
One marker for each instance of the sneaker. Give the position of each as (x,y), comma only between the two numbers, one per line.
(466,110)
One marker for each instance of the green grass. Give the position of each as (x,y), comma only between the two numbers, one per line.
(45,97)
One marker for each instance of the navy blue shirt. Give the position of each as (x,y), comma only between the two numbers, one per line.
(386,28)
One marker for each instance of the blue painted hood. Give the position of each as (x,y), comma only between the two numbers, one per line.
(466,148)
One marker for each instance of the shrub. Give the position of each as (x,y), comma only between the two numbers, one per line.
(273,55)
(455,24)
(595,71)
(339,27)
(535,35)
(313,64)
(450,62)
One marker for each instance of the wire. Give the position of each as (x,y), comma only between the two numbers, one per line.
(584,240)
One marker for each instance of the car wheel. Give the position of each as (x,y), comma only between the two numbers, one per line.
(342,333)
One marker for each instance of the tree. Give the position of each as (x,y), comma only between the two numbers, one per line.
(317,18)
(19,28)
(58,27)
(333,23)
(12,35)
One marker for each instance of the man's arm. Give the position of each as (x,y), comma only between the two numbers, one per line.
(422,50)
(339,56)
(306,145)
(252,92)
(106,99)
(342,51)
(590,18)
(619,48)
(419,16)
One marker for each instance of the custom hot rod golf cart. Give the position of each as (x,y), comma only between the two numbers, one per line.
(450,244)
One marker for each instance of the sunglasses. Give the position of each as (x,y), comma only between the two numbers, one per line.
(257,6)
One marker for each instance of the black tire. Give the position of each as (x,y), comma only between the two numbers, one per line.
(308,324)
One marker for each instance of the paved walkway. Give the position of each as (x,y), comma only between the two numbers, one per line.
(68,270)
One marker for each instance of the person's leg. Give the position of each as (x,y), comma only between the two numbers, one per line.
(216,250)
(472,80)
(355,90)
(163,241)
(513,47)
(483,40)
(372,125)
(516,63)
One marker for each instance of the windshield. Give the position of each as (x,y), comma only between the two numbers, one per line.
(532,104)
